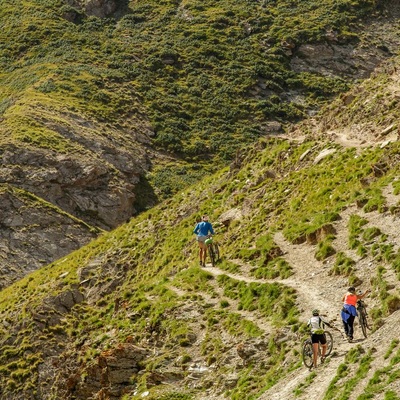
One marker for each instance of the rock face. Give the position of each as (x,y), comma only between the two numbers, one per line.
(53,309)
(96,8)
(111,374)
(100,8)
(336,57)
(337,60)
(94,181)
(84,187)
(33,234)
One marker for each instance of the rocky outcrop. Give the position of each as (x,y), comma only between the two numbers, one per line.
(84,187)
(34,233)
(96,8)
(100,8)
(109,377)
(337,60)
(94,181)
(54,308)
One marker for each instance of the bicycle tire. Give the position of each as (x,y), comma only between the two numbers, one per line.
(329,343)
(307,354)
(367,324)
(363,323)
(212,255)
(366,321)
(216,251)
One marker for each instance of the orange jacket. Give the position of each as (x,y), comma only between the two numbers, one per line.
(350,299)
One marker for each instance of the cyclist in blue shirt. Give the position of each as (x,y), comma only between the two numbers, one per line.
(203,229)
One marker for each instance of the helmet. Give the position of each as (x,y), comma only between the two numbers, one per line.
(208,241)
(315,312)
(352,289)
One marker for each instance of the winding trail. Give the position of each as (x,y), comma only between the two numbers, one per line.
(316,288)
(319,286)
(306,280)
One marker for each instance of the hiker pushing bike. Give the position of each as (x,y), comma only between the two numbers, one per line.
(349,311)
(203,230)
(320,343)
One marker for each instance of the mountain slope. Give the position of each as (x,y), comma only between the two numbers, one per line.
(131,315)
(108,107)
(34,232)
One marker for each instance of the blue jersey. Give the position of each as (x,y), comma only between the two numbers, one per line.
(203,228)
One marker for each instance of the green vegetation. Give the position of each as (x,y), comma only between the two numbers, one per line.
(300,388)
(369,240)
(355,368)
(201,79)
(355,230)
(271,300)
(144,284)
(343,265)
(276,268)
(396,263)
(383,378)
(325,248)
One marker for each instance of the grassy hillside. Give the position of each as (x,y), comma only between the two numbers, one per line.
(132,315)
(104,117)
(140,285)
(199,79)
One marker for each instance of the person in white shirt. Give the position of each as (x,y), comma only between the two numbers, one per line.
(317,327)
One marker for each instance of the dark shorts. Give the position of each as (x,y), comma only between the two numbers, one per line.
(318,338)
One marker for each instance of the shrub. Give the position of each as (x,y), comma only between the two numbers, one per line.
(343,265)
(325,248)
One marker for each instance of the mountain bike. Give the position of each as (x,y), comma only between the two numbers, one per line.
(213,250)
(363,317)
(307,350)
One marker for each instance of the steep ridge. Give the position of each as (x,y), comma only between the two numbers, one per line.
(108,107)
(132,316)
(132,313)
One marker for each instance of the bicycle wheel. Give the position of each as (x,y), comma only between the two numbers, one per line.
(363,323)
(366,320)
(329,343)
(212,255)
(216,251)
(307,354)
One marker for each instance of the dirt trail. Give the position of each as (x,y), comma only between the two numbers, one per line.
(312,286)
(306,280)
(308,294)
(316,288)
